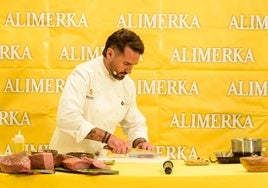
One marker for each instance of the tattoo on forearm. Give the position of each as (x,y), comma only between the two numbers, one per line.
(96,134)
(92,134)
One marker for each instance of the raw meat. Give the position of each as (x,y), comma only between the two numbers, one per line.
(75,163)
(96,163)
(59,158)
(42,160)
(15,163)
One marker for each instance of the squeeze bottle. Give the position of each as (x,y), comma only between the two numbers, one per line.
(18,142)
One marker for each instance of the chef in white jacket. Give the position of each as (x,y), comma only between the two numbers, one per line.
(98,96)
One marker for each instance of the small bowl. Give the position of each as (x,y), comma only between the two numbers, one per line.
(255,163)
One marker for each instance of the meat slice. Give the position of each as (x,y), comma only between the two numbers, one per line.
(42,160)
(81,154)
(100,165)
(96,163)
(15,163)
(59,158)
(75,163)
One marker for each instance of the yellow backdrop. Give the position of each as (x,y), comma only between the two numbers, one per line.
(201,82)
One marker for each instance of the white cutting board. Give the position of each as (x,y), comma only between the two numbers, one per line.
(134,160)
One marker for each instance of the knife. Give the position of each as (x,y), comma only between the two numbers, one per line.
(137,153)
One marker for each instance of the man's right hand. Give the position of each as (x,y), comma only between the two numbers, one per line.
(118,145)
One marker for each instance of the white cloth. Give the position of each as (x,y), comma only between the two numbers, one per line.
(92,98)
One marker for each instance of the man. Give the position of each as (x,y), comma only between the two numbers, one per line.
(98,96)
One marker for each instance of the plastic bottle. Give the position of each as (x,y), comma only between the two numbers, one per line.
(18,142)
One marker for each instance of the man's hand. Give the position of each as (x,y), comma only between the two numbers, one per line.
(145,146)
(115,144)
(118,145)
(141,143)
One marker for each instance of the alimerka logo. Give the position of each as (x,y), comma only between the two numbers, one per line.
(14,118)
(159,21)
(29,147)
(34,85)
(46,19)
(211,121)
(249,22)
(13,52)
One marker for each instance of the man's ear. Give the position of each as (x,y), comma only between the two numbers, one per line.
(110,53)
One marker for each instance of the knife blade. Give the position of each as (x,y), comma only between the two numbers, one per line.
(137,153)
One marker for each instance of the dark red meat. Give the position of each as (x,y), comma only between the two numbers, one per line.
(75,163)
(59,158)
(96,163)
(15,163)
(42,161)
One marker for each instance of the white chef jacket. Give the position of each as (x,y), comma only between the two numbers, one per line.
(92,98)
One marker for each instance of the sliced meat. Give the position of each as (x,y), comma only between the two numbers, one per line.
(15,163)
(42,160)
(100,165)
(96,163)
(81,154)
(59,158)
(75,163)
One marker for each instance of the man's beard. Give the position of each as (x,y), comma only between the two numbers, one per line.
(119,76)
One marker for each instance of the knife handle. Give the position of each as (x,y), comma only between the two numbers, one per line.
(107,147)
